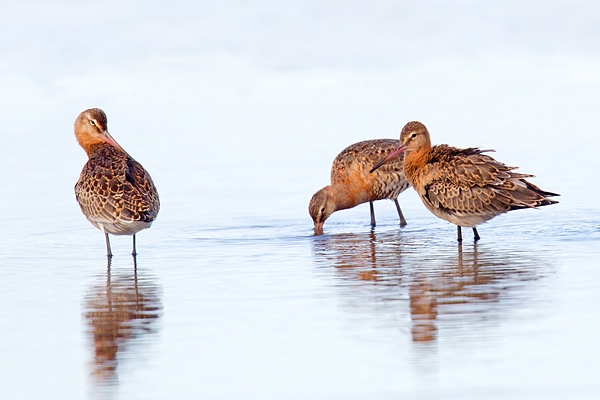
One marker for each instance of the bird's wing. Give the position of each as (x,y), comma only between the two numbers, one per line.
(474,183)
(116,189)
(139,193)
(360,157)
(99,190)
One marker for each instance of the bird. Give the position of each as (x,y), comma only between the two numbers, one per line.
(115,193)
(351,183)
(463,186)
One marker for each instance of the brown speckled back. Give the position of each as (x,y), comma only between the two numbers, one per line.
(351,167)
(116,193)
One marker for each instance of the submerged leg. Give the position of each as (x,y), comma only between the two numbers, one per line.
(372,214)
(476,236)
(459,234)
(134,253)
(108,252)
(135,269)
(402,220)
(108,262)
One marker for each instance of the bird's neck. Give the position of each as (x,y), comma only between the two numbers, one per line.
(415,161)
(343,197)
(96,147)
(89,143)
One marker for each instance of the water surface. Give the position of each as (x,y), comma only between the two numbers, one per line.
(237,111)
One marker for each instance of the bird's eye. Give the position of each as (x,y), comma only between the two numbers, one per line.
(323,210)
(414,135)
(92,122)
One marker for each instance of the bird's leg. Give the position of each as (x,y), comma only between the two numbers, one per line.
(108,262)
(459,234)
(372,214)
(134,253)
(476,236)
(135,269)
(108,252)
(402,220)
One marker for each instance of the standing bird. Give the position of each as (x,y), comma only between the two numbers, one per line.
(114,191)
(351,183)
(462,186)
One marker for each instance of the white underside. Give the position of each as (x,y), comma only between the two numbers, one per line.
(469,220)
(121,228)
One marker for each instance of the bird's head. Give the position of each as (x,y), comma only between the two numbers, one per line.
(413,137)
(321,206)
(91,127)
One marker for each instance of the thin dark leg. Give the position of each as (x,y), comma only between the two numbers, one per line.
(372,214)
(459,234)
(108,262)
(460,259)
(402,220)
(135,268)
(135,280)
(134,253)
(108,252)
(476,236)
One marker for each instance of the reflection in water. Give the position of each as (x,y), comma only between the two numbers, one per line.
(119,313)
(423,311)
(442,286)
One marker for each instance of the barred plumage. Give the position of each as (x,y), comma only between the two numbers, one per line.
(351,183)
(462,186)
(115,193)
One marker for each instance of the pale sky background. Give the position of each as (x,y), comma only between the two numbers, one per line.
(237,97)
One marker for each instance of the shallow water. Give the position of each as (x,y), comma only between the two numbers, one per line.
(237,112)
(272,311)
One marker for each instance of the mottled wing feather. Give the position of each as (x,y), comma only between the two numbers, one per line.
(467,181)
(97,190)
(114,189)
(139,192)
(366,153)
(352,166)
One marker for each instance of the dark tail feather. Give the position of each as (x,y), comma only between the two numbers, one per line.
(531,197)
(539,191)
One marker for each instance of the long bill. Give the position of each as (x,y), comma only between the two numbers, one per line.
(399,149)
(318,228)
(110,140)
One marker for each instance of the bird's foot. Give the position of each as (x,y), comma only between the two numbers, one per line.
(476,236)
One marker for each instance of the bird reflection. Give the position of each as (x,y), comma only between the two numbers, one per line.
(118,314)
(423,311)
(442,286)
